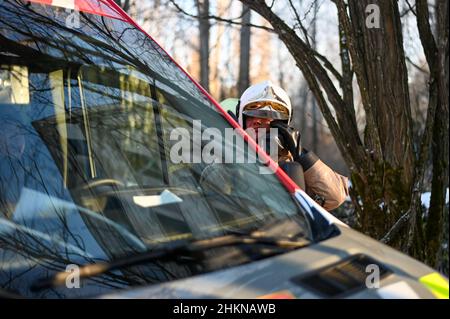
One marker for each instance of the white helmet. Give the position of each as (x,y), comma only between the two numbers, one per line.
(265,100)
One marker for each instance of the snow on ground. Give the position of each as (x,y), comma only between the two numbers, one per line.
(426,199)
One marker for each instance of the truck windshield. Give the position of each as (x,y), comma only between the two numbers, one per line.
(95,124)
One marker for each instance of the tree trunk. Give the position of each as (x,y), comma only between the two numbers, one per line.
(384,70)
(440,146)
(204,26)
(384,182)
(244,55)
(303,109)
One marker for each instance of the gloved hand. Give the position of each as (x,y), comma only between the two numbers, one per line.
(289,138)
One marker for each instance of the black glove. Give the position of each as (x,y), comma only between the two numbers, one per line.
(289,138)
(291,142)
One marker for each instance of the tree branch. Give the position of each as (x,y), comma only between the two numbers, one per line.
(420,68)
(297,17)
(426,36)
(395,229)
(357,59)
(327,64)
(325,61)
(411,8)
(216,18)
(347,72)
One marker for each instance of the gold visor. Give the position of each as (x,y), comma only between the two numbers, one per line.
(266,110)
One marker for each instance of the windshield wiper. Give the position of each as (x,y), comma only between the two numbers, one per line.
(177,248)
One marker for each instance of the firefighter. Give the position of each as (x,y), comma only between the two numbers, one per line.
(265,105)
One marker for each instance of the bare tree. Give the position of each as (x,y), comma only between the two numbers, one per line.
(204,26)
(386,170)
(244,56)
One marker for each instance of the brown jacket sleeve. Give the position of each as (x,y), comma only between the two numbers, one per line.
(322,183)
